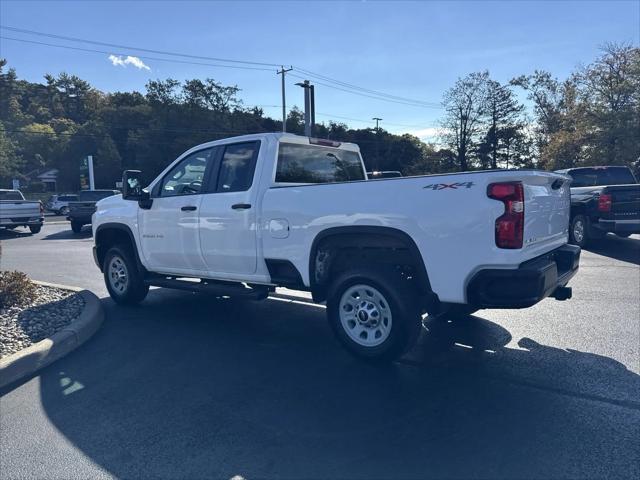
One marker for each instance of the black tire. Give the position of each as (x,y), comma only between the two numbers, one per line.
(134,290)
(399,299)
(579,231)
(35,229)
(76,227)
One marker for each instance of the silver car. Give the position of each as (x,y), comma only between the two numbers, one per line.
(59,204)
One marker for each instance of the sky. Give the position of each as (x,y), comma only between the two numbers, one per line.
(413,50)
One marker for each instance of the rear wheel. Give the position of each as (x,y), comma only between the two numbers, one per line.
(35,229)
(64,211)
(374,313)
(124,281)
(76,227)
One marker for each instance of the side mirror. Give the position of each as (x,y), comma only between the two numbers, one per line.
(132,185)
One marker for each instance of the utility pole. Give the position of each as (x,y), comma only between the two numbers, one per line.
(377,119)
(309,107)
(282,72)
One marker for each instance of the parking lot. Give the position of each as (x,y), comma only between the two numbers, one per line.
(188,386)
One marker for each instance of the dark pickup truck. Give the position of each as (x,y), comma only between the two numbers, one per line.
(80,212)
(603,199)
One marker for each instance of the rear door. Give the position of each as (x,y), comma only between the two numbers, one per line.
(228,230)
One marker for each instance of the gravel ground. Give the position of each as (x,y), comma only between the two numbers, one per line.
(24,325)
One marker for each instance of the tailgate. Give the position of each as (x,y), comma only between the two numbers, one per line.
(547,209)
(82,208)
(19,209)
(625,202)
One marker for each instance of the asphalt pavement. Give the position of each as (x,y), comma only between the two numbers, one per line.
(188,386)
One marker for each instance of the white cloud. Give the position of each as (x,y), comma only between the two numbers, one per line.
(118,61)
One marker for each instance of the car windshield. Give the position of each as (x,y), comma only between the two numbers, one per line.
(591,177)
(10,195)
(94,195)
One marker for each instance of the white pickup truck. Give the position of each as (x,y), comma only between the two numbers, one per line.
(241,216)
(15,211)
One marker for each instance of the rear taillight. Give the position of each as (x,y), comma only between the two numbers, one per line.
(604,203)
(510,225)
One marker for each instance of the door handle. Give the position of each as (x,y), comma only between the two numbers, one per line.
(189,208)
(241,206)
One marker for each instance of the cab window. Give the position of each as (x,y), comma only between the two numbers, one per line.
(186,177)
(311,164)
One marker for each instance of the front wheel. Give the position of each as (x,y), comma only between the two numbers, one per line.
(124,281)
(579,231)
(35,229)
(374,314)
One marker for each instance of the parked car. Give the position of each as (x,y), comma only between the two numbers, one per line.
(59,204)
(603,199)
(247,214)
(80,211)
(383,174)
(15,211)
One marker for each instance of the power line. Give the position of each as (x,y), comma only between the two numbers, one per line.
(91,50)
(148,50)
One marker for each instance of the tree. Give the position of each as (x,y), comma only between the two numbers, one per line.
(465,108)
(503,120)
(10,161)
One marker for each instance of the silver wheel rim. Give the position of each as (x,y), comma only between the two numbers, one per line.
(365,315)
(64,210)
(578,231)
(118,275)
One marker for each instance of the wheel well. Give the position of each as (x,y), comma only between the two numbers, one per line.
(108,236)
(337,250)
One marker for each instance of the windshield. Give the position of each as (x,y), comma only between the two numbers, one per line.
(311,164)
(11,195)
(94,195)
(591,177)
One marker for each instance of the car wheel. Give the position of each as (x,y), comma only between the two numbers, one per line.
(579,231)
(64,211)
(35,229)
(374,313)
(76,227)
(122,277)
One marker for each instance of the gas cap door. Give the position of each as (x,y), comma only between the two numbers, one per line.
(279,228)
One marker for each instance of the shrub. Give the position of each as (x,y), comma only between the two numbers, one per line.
(15,289)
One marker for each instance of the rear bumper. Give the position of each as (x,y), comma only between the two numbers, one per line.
(26,221)
(617,226)
(526,285)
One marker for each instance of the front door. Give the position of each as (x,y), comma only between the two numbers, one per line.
(169,229)
(228,214)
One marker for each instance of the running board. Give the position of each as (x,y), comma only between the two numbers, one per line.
(218,289)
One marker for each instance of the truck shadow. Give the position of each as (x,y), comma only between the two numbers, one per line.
(623,249)
(192,387)
(13,234)
(70,235)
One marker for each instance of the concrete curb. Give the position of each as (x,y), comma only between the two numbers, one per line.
(31,359)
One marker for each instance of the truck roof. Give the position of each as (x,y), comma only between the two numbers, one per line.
(285,137)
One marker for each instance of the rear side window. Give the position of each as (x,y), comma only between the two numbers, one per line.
(237,167)
(311,164)
(11,195)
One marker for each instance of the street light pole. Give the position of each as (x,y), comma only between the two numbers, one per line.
(309,106)
(283,72)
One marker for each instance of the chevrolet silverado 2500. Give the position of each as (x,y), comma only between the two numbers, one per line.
(241,216)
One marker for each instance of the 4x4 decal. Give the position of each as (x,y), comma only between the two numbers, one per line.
(453,186)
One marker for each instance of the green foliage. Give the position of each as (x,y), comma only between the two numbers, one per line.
(15,289)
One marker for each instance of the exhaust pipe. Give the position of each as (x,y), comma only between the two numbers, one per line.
(562,293)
